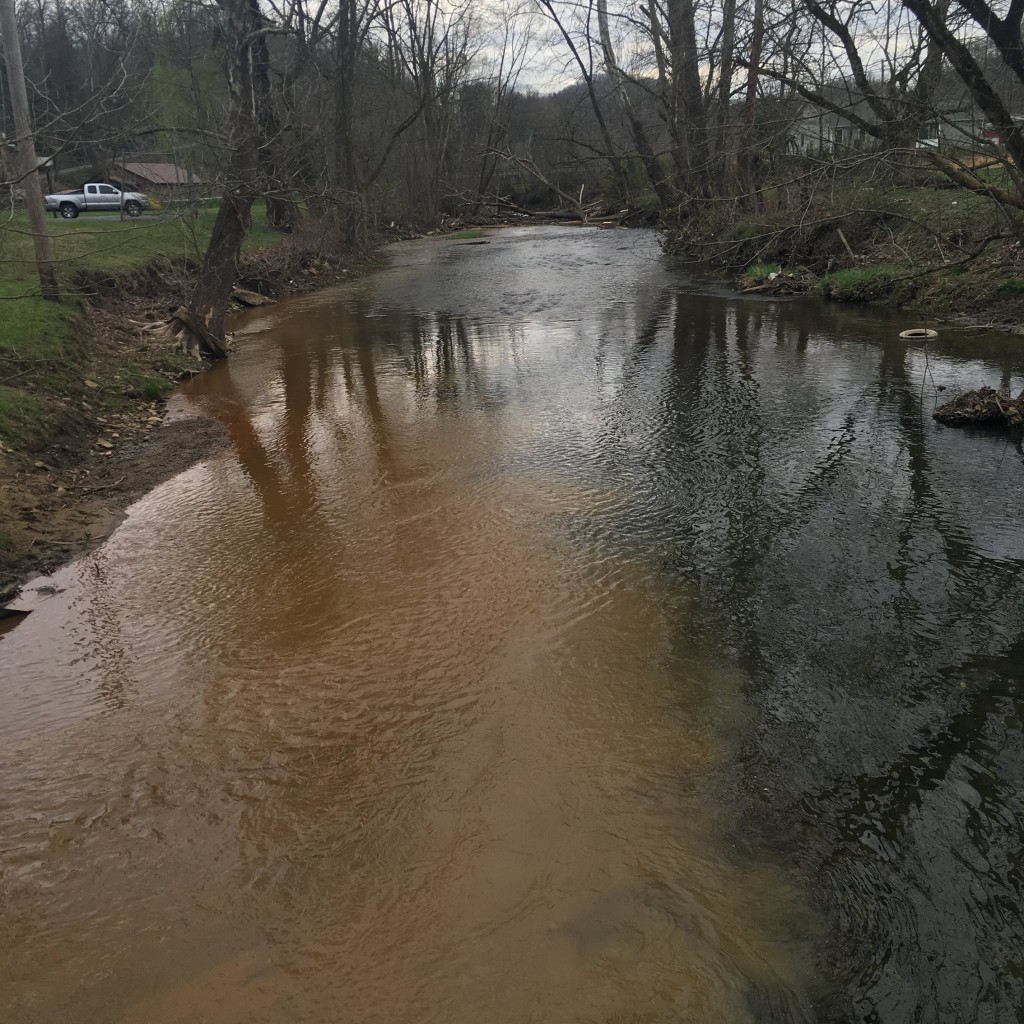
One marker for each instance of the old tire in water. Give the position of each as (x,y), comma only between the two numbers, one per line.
(919,334)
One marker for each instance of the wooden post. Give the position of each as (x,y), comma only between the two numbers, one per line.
(28,162)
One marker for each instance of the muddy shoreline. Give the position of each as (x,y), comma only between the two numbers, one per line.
(110,443)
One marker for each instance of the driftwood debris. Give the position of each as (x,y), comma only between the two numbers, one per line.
(776,283)
(984,407)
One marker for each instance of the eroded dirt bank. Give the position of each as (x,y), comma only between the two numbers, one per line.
(106,441)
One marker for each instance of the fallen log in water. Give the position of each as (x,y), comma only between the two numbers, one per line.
(250,298)
(588,213)
(984,407)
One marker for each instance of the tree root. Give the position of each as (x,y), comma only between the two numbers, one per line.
(193,334)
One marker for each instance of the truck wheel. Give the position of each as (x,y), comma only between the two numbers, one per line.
(68,211)
(132,208)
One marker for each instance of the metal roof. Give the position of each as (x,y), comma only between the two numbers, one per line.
(160,173)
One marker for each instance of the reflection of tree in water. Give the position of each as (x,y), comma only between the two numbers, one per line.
(269,568)
(104,638)
(713,437)
(285,484)
(835,570)
(857,602)
(250,450)
(358,404)
(340,388)
(376,419)
(926,863)
(457,375)
(650,322)
(440,354)
(945,928)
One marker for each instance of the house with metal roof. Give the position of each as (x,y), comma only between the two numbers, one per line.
(159,178)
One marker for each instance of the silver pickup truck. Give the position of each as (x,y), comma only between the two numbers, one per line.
(96,197)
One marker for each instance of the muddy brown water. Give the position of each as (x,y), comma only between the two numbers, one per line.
(561,639)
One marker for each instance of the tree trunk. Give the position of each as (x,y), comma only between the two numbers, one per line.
(688,95)
(282,209)
(619,176)
(241,25)
(346,176)
(1004,32)
(643,146)
(210,296)
(725,72)
(28,162)
(973,76)
(746,161)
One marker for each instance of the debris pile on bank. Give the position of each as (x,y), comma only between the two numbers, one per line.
(776,282)
(984,407)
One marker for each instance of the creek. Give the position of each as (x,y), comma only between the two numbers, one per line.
(560,638)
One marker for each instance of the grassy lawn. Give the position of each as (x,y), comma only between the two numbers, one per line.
(37,338)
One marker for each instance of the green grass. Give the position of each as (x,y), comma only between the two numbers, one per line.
(139,384)
(1011,286)
(855,277)
(21,414)
(38,329)
(997,175)
(38,338)
(762,269)
(877,283)
(468,233)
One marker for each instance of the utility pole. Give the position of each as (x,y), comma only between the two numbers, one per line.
(28,162)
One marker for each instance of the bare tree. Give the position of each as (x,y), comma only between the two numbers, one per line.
(586,69)
(644,149)
(243,39)
(687,99)
(28,162)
